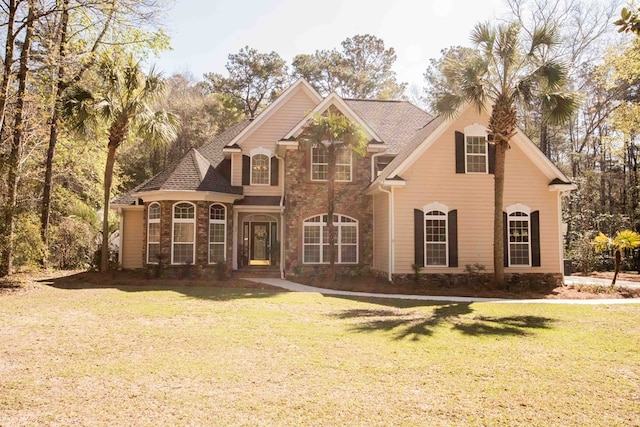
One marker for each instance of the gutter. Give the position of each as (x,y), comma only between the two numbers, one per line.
(391,236)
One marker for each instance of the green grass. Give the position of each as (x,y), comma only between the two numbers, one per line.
(206,356)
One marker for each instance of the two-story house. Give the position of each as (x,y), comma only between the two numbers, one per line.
(422,194)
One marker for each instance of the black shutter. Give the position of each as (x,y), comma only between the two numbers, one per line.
(535,239)
(492,158)
(505,238)
(453,238)
(460,152)
(225,169)
(246,170)
(418,238)
(274,170)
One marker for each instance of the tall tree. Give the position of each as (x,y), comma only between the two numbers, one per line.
(123,102)
(362,69)
(74,50)
(335,133)
(505,67)
(16,145)
(254,79)
(584,33)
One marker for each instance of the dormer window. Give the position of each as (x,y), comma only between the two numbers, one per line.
(260,166)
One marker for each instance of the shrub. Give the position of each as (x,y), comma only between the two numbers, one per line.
(71,244)
(29,249)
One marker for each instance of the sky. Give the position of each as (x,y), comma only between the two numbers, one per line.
(204,32)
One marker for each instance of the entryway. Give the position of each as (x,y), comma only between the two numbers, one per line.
(260,246)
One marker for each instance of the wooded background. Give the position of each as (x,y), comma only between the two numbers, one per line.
(58,115)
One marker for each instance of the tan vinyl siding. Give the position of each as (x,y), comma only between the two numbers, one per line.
(236,169)
(269,133)
(432,178)
(132,242)
(381,232)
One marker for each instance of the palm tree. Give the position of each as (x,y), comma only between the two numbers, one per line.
(504,68)
(332,131)
(122,102)
(625,239)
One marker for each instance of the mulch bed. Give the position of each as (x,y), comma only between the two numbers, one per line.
(24,282)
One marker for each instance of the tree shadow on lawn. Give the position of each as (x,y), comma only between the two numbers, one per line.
(409,324)
(209,289)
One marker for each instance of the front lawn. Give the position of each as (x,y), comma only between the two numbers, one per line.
(212,356)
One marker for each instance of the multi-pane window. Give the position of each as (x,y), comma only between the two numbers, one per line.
(217,233)
(435,236)
(519,239)
(316,240)
(476,154)
(153,233)
(184,225)
(320,163)
(260,169)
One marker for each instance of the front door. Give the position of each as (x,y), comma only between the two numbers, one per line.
(259,246)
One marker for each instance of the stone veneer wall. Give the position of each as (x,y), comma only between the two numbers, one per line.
(202,233)
(305,198)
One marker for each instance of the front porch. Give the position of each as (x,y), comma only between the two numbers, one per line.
(257,233)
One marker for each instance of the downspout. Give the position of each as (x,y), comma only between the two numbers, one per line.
(391,237)
(281,159)
(120,233)
(373,164)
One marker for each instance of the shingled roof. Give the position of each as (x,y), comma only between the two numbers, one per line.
(212,151)
(417,139)
(396,122)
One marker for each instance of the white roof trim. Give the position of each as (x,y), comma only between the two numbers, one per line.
(531,150)
(419,151)
(562,187)
(187,195)
(336,100)
(275,105)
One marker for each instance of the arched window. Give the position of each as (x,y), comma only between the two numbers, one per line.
(153,233)
(435,238)
(260,166)
(519,230)
(316,240)
(217,233)
(183,244)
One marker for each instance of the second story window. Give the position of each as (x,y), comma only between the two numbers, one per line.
(320,164)
(476,154)
(260,169)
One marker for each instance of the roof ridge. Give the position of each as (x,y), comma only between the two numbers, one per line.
(201,163)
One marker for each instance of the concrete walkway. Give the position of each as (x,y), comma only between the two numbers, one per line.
(297,287)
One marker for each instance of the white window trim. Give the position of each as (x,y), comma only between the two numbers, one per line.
(476,130)
(518,207)
(350,164)
(218,221)
(175,220)
(436,206)
(152,221)
(252,154)
(338,245)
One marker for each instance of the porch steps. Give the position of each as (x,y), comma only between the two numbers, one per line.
(257,271)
